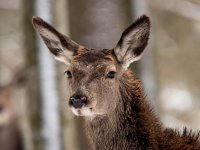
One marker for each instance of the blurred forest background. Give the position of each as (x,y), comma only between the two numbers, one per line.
(33,90)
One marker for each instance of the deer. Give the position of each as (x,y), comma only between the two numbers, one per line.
(11,137)
(109,96)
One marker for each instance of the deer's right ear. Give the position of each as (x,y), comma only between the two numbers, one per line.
(59,45)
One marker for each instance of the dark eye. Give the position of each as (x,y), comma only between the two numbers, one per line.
(111,74)
(68,73)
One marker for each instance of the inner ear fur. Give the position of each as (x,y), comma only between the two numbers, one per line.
(62,47)
(133,41)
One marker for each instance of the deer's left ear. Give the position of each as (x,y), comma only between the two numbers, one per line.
(133,42)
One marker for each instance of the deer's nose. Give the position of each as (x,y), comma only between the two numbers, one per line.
(77,101)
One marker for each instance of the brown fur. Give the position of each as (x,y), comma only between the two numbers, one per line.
(116,113)
(10,134)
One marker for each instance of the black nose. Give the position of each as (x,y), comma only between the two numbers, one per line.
(77,101)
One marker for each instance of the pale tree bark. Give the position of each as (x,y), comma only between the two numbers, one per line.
(48,85)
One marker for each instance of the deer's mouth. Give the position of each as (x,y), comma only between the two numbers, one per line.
(87,112)
(83,111)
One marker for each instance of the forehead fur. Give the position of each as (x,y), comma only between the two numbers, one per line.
(93,56)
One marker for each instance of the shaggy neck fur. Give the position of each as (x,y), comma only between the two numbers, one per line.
(131,126)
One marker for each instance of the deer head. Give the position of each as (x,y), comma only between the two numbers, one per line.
(94,75)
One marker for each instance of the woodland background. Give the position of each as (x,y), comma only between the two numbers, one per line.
(34,88)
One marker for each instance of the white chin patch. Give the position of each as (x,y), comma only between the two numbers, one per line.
(82,112)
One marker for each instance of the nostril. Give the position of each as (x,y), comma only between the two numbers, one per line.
(84,100)
(71,101)
(77,101)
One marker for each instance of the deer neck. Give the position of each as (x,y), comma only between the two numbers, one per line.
(131,126)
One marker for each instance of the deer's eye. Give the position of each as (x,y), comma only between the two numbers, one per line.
(68,74)
(111,74)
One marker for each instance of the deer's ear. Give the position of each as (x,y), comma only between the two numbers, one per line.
(133,41)
(59,45)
